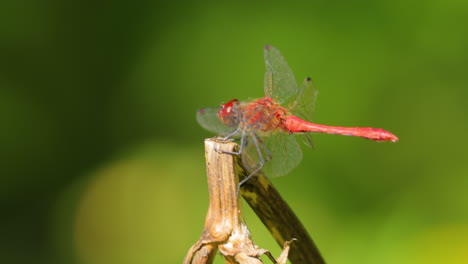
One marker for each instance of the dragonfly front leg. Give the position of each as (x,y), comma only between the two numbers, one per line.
(242,142)
(232,134)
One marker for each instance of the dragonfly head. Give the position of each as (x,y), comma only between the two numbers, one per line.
(228,113)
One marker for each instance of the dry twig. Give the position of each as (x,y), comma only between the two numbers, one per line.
(225,229)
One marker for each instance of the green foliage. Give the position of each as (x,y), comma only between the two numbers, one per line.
(83,85)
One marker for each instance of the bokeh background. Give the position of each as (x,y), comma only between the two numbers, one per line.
(102,159)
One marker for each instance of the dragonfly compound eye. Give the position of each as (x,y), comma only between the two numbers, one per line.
(228,113)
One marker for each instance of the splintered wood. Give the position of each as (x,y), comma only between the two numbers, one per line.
(225,229)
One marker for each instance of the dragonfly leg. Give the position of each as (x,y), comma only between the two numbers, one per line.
(232,134)
(267,151)
(260,164)
(227,138)
(242,143)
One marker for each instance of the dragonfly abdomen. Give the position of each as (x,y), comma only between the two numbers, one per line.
(297,125)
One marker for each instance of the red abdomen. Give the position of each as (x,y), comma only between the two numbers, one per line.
(295,124)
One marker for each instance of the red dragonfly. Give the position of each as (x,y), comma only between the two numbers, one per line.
(266,126)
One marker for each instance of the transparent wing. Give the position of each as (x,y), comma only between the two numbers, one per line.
(303,106)
(279,151)
(209,120)
(279,82)
(303,103)
(286,154)
(306,139)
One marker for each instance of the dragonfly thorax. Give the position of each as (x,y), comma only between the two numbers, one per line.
(263,115)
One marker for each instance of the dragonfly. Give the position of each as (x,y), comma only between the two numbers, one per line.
(267,128)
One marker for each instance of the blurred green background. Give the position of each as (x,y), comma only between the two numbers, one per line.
(102,159)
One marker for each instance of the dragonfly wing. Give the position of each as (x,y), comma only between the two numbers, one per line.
(279,152)
(285,154)
(307,139)
(209,120)
(303,103)
(303,106)
(279,82)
